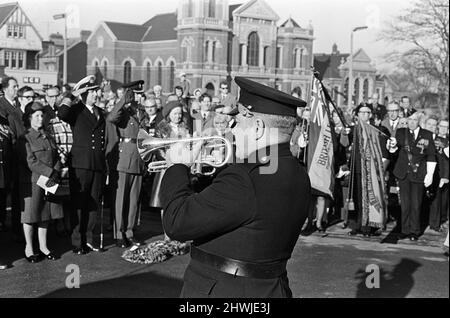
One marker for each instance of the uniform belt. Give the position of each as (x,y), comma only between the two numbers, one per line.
(128,140)
(239,268)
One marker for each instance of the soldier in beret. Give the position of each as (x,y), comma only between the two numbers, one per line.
(238,249)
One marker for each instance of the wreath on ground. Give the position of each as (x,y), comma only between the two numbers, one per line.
(156,252)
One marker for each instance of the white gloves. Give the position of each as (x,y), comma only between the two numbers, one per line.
(391,145)
(429,176)
(443,182)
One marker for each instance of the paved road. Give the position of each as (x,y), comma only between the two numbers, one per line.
(332,266)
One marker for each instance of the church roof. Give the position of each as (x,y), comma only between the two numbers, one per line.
(328,64)
(231,8)
(126,31)
(289,23)
(162,27)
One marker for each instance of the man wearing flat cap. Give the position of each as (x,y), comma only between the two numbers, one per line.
(126,117)
(245,225)
(416,161)
(88,159)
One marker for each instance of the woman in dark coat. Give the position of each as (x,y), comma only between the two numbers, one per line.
(41,156)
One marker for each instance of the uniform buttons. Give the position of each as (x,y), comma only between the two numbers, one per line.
(93,147)
(131,124)
(92,135)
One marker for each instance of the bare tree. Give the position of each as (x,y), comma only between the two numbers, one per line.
(424,28)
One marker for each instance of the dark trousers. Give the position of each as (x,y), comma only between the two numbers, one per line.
(3,195)
(87,188)
(411,196)
(127,203)
(16,209)
(439,206)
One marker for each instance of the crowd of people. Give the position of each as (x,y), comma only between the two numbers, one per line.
(85,139)
(413,170)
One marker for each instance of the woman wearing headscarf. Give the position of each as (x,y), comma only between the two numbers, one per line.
(39,155)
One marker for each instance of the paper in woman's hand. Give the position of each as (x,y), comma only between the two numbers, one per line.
(47,184)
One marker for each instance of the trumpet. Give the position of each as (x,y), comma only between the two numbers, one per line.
(213,145)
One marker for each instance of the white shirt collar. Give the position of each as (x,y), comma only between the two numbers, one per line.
(10,101)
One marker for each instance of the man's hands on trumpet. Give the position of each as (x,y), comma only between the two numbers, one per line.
(183,153)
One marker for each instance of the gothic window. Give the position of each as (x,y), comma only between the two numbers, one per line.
(100,42)
(346,90)
(159,73)
(241,53)
(253,49)
(127,72)
(172,76)
(301,61)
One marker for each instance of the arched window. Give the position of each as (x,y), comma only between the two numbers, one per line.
(366,89)
(172,76)
(127,72)
(346,90)
(214,51)
(206,51)
(105,70)
(253,49)
(190,8)
(148,73)
(159,74)
(296,60)
(212,9)
(266,56)
(356,91)
(96,68)
(301,61)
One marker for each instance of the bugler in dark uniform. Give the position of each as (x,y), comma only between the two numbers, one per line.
(88,161)
(125,115)
(245,225)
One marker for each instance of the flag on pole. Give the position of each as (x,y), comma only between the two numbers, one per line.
(320,146)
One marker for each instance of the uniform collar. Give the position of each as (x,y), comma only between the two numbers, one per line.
(36,133)
(265,155)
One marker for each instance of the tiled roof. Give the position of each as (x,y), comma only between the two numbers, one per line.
(287,23)
(126,31)
(162,28)
(5,10)
(231,9)
(328,64)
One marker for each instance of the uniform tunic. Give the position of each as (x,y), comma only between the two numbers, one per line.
(246,214)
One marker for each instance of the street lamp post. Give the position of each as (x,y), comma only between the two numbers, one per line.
(350,73)
(57,17)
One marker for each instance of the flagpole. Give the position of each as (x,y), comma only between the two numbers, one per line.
(327,96)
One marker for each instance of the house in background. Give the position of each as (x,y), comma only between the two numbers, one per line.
(334,70)
(52,56)
(208,40)
(20,44)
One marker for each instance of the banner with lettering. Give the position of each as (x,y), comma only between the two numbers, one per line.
(320,146)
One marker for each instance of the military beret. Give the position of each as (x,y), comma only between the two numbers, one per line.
(136,86)
(169,106)
(263,99)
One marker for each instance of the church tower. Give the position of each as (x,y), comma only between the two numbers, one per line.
(203,35)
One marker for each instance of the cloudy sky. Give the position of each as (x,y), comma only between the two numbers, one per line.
(332,19)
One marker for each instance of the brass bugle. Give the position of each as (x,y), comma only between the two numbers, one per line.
(147,145)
